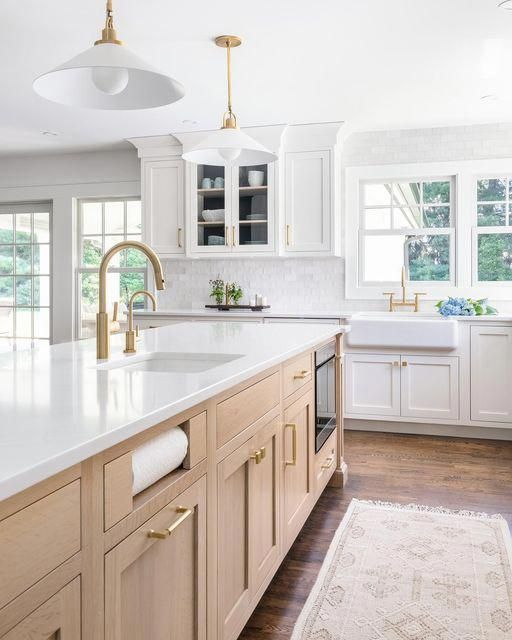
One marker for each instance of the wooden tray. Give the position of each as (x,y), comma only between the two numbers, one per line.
(228,307)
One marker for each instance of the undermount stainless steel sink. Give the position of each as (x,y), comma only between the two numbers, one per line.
(170,362)
(403,330)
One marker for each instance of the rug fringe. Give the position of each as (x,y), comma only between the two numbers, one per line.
(420,508)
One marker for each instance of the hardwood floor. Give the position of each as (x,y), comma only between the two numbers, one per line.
(451,472)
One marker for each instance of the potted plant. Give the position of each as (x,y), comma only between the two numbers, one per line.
(217,290)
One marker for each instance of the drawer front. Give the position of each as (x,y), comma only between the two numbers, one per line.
(37,539)
(297,374)
(325,463)
(238,412)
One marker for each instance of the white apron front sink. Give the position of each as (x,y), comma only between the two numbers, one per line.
(400,331)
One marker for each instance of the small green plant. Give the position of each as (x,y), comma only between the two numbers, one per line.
(218,289)
(235,292)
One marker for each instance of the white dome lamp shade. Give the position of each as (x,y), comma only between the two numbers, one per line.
(229,146)
(108,76)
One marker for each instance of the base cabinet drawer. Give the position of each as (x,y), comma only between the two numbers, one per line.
(37,539)
(325,463)
(57,619)
(155,580)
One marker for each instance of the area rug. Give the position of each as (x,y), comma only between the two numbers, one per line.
(412,573)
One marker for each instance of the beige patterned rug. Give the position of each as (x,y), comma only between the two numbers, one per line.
(412,573)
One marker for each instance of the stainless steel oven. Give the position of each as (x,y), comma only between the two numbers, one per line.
(325,392)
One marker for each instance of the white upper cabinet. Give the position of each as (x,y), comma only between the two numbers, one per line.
(308,202)
(163,194)
(163,206)
(491,373)
(231,211)
(289,208)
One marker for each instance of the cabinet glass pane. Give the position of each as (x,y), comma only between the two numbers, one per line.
(253,205)
(211,206)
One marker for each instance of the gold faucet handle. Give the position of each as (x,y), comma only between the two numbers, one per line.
(417,301)
(130,338)
(391,297)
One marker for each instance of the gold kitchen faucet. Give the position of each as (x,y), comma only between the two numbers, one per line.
(404,302)
(102,319)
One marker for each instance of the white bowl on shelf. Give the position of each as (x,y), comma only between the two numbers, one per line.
(215,240)
(255,178)
(213,215)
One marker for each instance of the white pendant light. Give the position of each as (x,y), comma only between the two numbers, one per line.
(229,146)
(108,76)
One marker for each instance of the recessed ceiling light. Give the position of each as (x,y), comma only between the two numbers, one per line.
(49,133)
(506,4)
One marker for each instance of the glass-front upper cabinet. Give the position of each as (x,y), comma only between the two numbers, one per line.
(212,228)
(251,208)
(232,209)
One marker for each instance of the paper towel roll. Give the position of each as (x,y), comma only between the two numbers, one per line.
(158,457)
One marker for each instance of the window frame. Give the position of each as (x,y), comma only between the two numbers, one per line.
(466,173)
(79,270)
(32,207)
(404,232)
(478,231)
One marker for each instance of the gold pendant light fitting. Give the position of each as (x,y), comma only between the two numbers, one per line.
(109,34)
(228,42)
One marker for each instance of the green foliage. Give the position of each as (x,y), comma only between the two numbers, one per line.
(218,289)
(235,292)
(429,261)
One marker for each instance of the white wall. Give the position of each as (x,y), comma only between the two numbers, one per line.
(62,179)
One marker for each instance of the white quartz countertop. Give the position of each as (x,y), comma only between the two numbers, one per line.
(57,409)
(309,315)
(243,313)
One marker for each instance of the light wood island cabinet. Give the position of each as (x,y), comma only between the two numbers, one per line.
(189,557)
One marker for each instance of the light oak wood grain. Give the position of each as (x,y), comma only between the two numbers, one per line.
(195,430)
(57,619)
(37,539)
(242,409)
(157,588)
(117,487)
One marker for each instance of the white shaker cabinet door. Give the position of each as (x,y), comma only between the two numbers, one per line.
(162,197)
(308,224)
(372,385)
(430,387)
(491,374)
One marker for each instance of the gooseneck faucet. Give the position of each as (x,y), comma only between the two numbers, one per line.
(131,334)
(102,319)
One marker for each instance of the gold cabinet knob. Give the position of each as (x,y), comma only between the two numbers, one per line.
(256,456)
(405,363)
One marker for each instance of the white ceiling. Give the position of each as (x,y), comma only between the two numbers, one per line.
(376,64)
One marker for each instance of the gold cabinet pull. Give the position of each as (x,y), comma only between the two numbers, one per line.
(288,235)
(256,456)
(226,237)
(161,535)
(263,452)
(303,374)
(233,237)
(328,463)
(293,461)
(405,363)
(180,231)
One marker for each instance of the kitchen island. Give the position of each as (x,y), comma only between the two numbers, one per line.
(105,563)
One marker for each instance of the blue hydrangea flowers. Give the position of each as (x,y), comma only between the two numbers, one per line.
(465,307)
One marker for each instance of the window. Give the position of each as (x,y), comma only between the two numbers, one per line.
(406,222)
(494,229)
(101,225)
(25,272)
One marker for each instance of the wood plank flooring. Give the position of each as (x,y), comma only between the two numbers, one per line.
(450,472)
